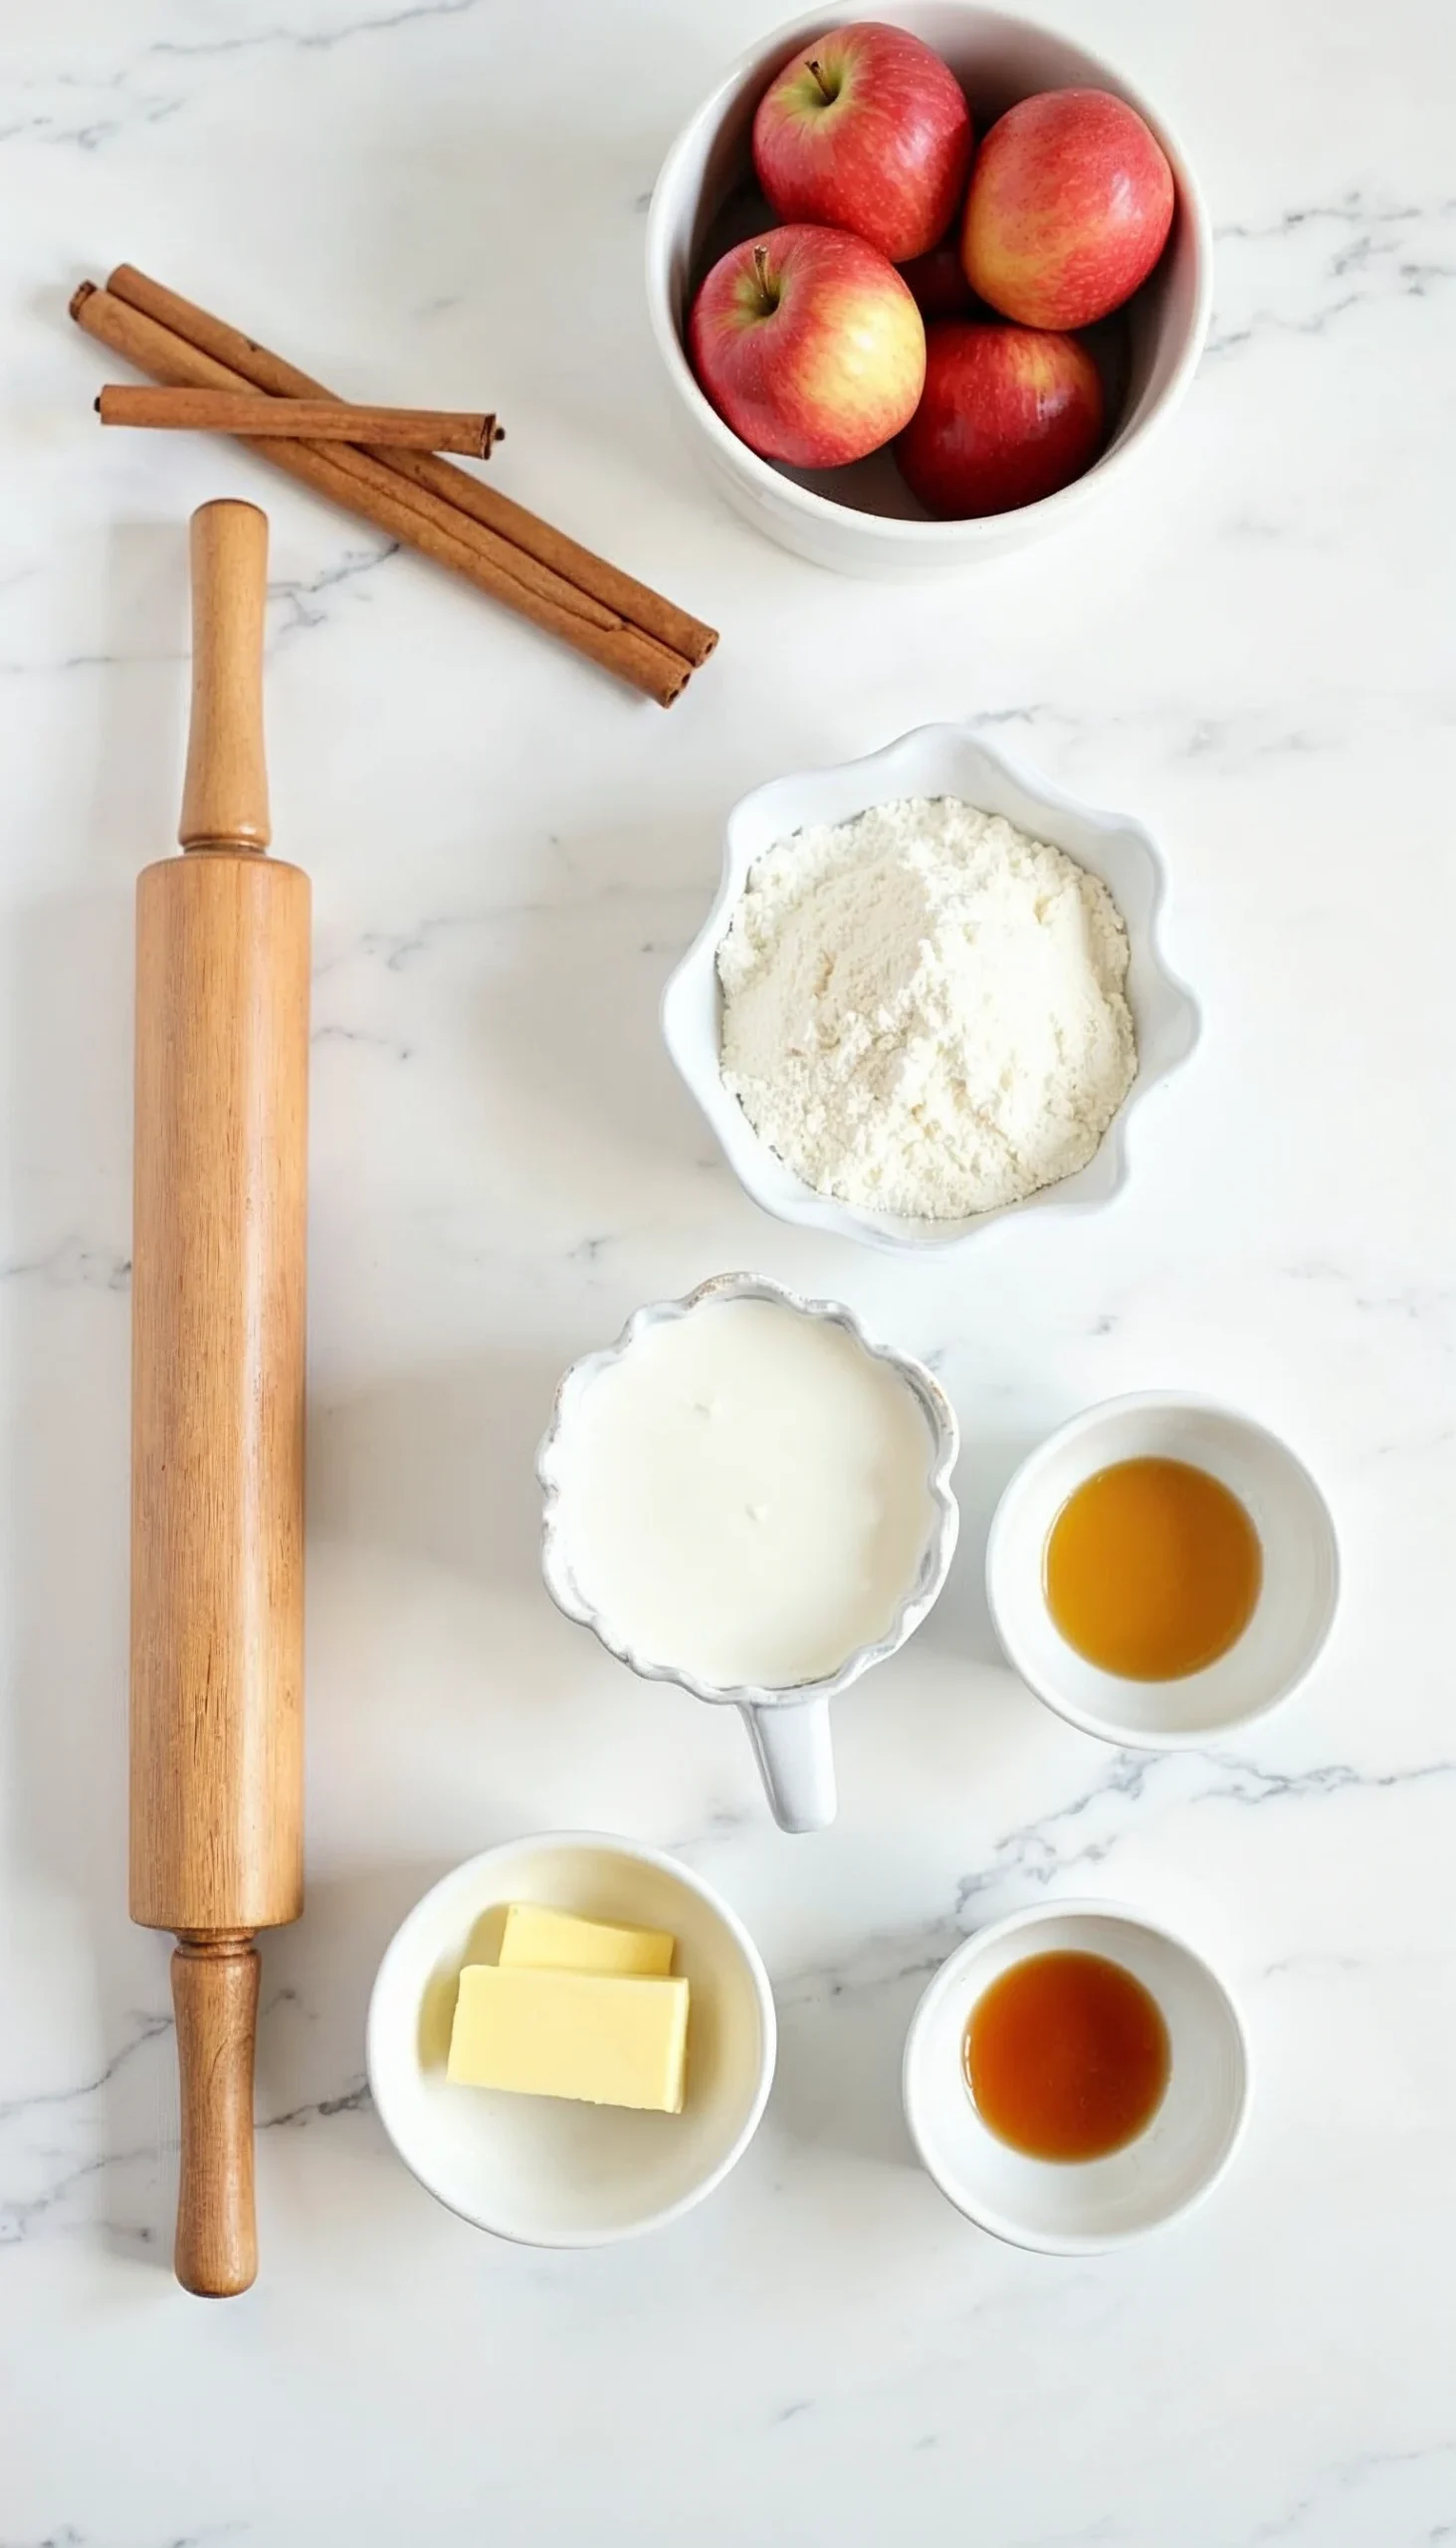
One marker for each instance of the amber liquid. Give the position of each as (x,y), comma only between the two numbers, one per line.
(1067,2057)
(1152,1570)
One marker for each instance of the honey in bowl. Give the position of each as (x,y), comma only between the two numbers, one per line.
(1067,2057)
(1151,1569)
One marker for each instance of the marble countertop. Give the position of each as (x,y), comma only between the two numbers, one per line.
(1251,649)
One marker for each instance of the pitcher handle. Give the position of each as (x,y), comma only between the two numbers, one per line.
(795,1754)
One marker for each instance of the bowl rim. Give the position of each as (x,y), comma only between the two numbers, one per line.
(641,1852)
(886,532)
(793,1200)
(1088,1720)
(1031,1915)
(941,1541)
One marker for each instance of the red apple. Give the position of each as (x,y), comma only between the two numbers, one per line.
(1008,415)
(867,131)
(1069,209)
(809,345)
(937,279)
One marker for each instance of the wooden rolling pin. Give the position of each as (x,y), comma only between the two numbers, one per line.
(217,1407)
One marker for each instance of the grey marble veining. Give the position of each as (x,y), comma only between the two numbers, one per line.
(1251,650)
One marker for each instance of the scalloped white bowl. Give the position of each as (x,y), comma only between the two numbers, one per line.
(789,1728)
(932,760)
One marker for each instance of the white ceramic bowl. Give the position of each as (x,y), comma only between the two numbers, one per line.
(790,1729)
(933,760)
(864,521)
(540,2170)
(1080,2208)
(1296,1599)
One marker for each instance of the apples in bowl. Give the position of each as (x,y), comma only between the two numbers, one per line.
(1068,210)
(810,343)
(867,129)
(937,493)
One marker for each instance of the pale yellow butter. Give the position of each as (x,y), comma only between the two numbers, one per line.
(607,2040)
(559,1939)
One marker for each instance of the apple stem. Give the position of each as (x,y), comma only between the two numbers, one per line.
(825,91)
(760,269)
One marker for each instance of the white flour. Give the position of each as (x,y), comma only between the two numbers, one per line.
(923,1010)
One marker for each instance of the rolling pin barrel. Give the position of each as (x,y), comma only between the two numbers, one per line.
(218,1335)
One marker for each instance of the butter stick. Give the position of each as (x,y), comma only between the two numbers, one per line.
(602,2039)
(561,1941)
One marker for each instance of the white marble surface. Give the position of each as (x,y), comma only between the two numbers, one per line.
(1253,652)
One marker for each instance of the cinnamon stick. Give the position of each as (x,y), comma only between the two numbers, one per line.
(618,592)
(232,411)
(358,482)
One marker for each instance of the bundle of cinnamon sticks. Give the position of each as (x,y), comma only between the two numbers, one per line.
(412,496)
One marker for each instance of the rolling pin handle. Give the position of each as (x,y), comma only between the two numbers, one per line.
(215,1996)
(225,792)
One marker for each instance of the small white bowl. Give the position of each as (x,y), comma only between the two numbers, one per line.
(1296,1599)
(1069,2208)
(932,760)
(543,2171)
(864,521)
(790,1729)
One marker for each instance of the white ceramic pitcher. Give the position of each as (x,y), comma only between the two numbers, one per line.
(789,1728)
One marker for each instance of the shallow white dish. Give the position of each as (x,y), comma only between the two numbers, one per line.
(545,2171)
(932,760)
(790,1729)
(1080,2208)
(1296,1599)
(864,521)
